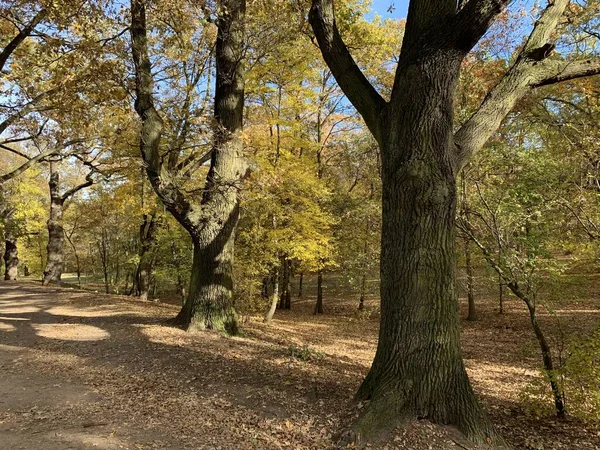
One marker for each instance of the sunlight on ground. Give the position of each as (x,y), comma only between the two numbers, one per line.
(19,309)
(7,327)
(500,380)
(71,332)
(95,311)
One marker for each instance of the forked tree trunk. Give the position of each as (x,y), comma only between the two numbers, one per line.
(11,257)
(54,264)
(418,369)
(213,222)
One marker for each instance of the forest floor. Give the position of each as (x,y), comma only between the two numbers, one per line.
(83,370)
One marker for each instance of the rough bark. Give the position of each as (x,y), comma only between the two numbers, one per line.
(418,369)
(213,222)
(54,249)
(143,271)
(11,257)
(56,234)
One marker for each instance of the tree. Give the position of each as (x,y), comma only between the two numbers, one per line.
(418,369)
(55,248)
(212,221)
(21,215)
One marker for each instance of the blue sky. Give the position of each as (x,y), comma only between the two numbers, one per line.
(400,7)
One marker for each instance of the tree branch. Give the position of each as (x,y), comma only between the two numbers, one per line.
(530,70)
(348,75)
(152,123)
(88,182)
(26,109)
(473,20)
(552,71)
(23,167)
(14,151)
(20,37)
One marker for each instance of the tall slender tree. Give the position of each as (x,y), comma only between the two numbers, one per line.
(418,370)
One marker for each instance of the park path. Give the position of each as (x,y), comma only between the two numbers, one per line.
(81,370)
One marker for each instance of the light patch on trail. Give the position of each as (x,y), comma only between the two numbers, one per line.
(98,311)
(7,327)
(71,332)
(19,309)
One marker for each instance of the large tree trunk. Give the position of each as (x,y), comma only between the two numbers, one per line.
(54,264)
(418,369)
(210,301)
(11,257)
(143,271)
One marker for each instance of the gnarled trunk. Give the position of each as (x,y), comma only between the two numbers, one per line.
(209,302)
(54,264)
(213,222)
(418,369)
(11,257)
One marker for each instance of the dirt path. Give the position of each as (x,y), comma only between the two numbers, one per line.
(81,370)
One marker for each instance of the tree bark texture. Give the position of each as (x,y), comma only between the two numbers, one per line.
(11,257)
(418,371)
(55,261)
